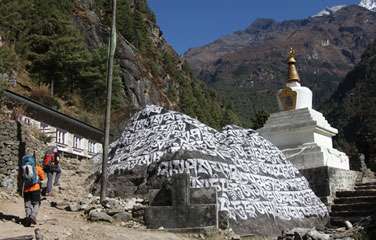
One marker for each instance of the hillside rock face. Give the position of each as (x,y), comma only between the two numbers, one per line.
(351,109)
(72,58)
(249,65)
(150,74)
(260,191)
(139,86)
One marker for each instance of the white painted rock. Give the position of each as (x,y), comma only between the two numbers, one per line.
(253,178)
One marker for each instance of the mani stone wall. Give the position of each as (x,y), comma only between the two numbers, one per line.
(259,190)
(9,154)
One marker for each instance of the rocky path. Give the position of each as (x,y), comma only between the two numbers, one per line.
(60,224)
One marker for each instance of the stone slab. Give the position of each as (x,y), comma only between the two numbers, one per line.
(158,197)
(181,212)
(172,217)
(203,196)
(264,226)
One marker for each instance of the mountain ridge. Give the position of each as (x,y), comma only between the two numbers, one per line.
(247,67)
(368,4)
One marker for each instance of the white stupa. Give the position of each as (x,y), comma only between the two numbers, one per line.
(302,133)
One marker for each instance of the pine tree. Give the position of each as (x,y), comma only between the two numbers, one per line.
(125,23)
(259,120)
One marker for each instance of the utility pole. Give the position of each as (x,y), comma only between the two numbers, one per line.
(52,87)
(110,63)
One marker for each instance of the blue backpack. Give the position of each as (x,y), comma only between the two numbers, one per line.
(29,170)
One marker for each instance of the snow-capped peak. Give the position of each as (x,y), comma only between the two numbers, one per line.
(329,10)
(369,4)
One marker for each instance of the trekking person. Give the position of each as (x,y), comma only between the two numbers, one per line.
(51,165)
(31,175)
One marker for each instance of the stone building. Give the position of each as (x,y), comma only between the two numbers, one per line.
(73,137)
(70,135)
(67,143)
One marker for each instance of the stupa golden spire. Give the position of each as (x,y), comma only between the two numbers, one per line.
(293,72)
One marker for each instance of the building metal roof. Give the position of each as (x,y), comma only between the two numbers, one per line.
(56,119)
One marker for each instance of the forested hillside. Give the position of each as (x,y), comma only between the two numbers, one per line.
(61,44)
(352,110)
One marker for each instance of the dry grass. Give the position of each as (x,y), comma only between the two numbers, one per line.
(41,91)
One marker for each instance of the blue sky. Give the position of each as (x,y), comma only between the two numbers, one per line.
(193,23)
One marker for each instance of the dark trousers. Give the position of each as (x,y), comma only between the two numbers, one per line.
(50,176)
(32,203)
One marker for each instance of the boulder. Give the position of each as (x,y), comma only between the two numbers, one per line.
(130,203)
(261,191)
(113,212)
(138,212)
(122,217)
(84,207)
(99,215)
(74,207)
(112,203)
(314,234)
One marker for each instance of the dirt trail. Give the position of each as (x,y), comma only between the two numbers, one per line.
(61,224)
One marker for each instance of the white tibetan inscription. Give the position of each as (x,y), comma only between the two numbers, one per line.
(251,175)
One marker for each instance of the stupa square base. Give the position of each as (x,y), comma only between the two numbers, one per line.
(326,181)
(311,155)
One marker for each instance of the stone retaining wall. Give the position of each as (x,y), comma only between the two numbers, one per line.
(16,140)
(9,154)
(326,181)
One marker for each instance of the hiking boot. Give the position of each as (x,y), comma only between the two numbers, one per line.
(33,221)
(50,194)
(27,222)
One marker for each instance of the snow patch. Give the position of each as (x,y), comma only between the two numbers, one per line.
(369,4)
(329,11)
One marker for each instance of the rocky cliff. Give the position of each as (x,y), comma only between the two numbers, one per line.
(63,44)
(248,66)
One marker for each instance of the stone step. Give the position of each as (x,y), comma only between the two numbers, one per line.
(348,200)
(352,213)
(366,184)
(370,188)
(340,221)
(355,193)
(366,206)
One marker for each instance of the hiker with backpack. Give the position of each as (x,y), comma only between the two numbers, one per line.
(31,175)
(51,166)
